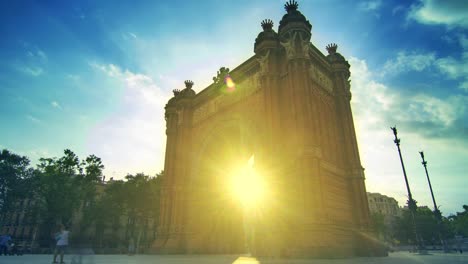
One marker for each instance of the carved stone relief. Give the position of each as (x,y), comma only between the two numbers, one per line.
(320,78)
(289,47)
(305,48)
(264,63)
(243,90)
(292,50)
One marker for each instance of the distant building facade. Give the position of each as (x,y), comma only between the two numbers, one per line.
(20,222)
(384,208)
(382,204)
(23,224)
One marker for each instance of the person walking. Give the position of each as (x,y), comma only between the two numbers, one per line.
(62,242)
(5,241)
(131,247)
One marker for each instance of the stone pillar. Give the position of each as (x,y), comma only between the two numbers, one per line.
(163,230)
(350,159)
(174,192)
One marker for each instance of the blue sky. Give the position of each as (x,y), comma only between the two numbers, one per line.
(94,76)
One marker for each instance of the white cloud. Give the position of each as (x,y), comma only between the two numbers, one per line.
(451,68)
(41,54)
(375,100)
(31,70)
(73,77)
(456,68)
(132,139)
(129,36)
(398,9)
(35,53)
(33,63)
(409,62)
(464,85)
(55,104)
(370,5)
(33,119)
(425,108)
(445,12)
(463,40)
(424,122)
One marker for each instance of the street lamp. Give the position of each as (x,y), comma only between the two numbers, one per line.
(411,202)
(437,213)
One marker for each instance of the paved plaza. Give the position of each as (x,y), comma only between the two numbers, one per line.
(393,258)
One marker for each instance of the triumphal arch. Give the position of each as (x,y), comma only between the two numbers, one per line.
(265,159)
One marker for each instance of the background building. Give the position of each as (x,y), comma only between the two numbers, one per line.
(90,225)
(382,204)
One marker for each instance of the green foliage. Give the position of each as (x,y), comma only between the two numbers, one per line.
(378,224)
(427,225)
(135,200)
(63,185)
(70,191)
(459,222)
(15,179)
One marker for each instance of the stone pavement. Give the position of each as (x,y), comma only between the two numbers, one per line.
(393,258)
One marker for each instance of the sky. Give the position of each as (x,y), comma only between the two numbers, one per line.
(94,76)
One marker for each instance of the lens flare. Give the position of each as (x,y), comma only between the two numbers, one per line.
(231,86)
(247,186)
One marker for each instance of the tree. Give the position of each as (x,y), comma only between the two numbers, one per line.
(378,224)
(459,222)
(143,206)
(427,225)
(137,200)
(15,178)
(63,186)
(106,213)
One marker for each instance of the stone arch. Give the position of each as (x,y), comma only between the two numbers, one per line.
(215,217)
(248,138)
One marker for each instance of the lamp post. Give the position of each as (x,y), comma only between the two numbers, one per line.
(436,209)
(411,202)
(437,213)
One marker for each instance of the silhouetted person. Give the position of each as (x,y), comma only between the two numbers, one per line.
(131,247)
(4,243)
(459,241)
(62,243)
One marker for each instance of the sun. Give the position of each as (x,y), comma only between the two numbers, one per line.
(247,186)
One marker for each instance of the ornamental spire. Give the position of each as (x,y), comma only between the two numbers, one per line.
(291,6)
(267,24)
(331,48)
(188,84)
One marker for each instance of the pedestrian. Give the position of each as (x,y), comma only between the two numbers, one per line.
(4,244)
(459,241)
(131,247)
(62,242)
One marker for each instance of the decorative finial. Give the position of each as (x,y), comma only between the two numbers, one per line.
(221,74)
(176,92)
(331,48)
(188,84)
(267,24)
(291,6)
